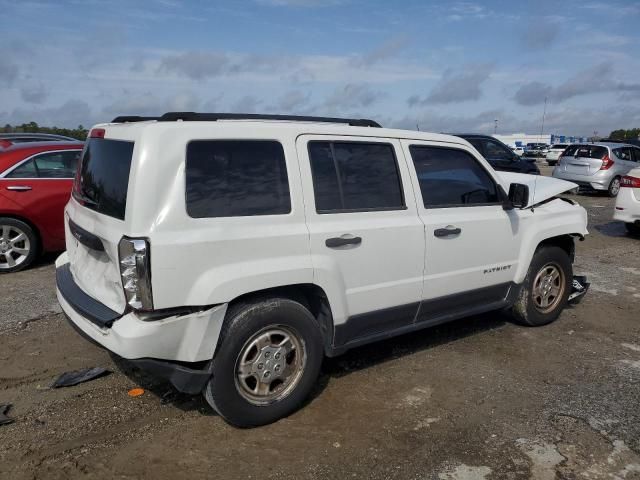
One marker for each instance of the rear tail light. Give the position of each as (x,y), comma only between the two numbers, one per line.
(97,133)
(629,181)
(607,163)
(135,270)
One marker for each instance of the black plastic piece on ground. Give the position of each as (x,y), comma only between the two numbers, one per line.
(4,420)
(69,379)
(579,287)
(184,379)
(82,303)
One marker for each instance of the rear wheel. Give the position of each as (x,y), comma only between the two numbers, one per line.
(633,228)
(18,245)
(545,289)
(614,187)
(267,362)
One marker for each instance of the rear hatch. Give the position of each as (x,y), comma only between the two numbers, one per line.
(583,159)
(95,219)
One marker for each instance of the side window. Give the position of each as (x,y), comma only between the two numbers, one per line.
(26,170)
(352,176)
(450,177)
(57,164)
(636,154)
(232,178)
(495,151)
(48,165)
(623,153)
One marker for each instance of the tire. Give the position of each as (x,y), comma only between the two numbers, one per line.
(614,187)
(250,336)
(20,247)
(529,308)
(633,229)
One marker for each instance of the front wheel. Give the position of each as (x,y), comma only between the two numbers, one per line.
(545,289)
(267,362)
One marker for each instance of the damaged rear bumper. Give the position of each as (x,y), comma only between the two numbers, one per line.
(162,346)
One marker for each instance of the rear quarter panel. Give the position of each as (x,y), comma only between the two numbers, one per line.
(203,261)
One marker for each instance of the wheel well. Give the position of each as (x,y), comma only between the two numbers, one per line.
(35,229)
(311,296)
(565,242)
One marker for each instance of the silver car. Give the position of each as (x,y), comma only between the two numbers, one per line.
(597,166)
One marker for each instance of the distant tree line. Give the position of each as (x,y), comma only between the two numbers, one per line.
(631,134)
(32,127)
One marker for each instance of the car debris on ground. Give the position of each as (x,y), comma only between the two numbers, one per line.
(69,379)
(4,420)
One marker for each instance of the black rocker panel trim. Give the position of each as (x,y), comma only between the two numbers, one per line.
(378,325)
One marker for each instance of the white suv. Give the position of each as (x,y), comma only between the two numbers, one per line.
(230,253)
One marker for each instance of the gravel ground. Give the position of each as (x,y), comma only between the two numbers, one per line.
(478,398)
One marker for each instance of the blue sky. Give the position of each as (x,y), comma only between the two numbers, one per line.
(446,66)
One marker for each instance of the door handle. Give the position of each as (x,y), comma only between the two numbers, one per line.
(19,188)
(447,232)
(336,242)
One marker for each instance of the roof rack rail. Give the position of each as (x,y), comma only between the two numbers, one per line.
(132,118)
(213,117)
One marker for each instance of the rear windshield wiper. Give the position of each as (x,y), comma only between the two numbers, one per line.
(85,199)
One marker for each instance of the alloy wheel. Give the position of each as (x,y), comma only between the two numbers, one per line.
(548,288)
(14,247)
(270,365)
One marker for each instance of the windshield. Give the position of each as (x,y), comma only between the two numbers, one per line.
(103,176)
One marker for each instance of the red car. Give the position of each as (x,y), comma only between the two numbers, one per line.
(35,185)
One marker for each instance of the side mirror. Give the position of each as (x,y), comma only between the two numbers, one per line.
(518,195)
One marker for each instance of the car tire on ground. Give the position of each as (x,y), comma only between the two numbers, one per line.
(545,289)
(18,245)
(614,187)
(633,229)
(267,362)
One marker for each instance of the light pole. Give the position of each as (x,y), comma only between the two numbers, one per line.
(544,113)
(495,126)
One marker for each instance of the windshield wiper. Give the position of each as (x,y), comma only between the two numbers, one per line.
(85,199)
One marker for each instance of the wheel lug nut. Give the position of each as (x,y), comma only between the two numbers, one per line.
(266,374)
(277,368)
(260,366)
(277,356)
(266,354)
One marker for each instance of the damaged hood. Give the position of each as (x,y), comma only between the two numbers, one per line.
(540,188)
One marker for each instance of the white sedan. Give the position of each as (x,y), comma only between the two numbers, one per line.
(628,201)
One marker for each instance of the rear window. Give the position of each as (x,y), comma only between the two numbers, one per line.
(103,176)
(236,178)
(558,146)
(586,151)
(355,176)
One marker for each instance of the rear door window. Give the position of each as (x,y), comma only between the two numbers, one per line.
(235,178)
(636,154)
(48,165)
(26,170)
(355,176)
(103,176)
(623,153)
(450,177)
